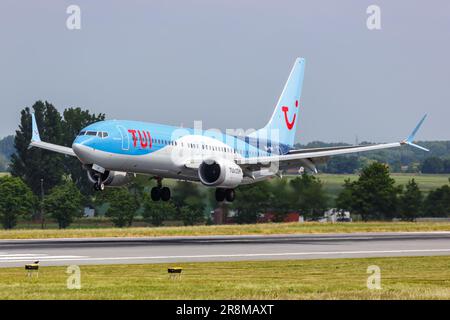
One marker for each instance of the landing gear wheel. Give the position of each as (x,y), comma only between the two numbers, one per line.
(155,194)
(220,194)
(230,195)
(165,194)
(99,187)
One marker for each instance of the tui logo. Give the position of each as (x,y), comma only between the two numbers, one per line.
(285,109)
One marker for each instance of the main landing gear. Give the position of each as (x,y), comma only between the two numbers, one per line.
(225,194)
(159,192)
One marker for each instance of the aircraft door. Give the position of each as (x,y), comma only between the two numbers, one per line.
(125,138)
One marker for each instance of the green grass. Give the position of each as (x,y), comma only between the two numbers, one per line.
(427,182)
(250,229)
(401,278)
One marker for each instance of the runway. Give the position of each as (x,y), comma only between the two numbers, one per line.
(56,252)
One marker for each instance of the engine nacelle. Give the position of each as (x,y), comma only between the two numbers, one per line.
(110,178)
(220,173)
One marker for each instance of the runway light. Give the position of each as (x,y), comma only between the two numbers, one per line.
(32,268)
(175,272)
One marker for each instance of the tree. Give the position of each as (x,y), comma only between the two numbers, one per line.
(63,203)
(3,163)
(446,165)
(433,165)
(281,199)
(122,206)
(192,212)
(189,202)
(7,147)
(32,165)
(344,200)
(309,197)
(15,200)
(156,212)
(139,187)
(74,120)
(410,204)
(342,164)
(437,203)
(184,190)
(251,200)
(373,195)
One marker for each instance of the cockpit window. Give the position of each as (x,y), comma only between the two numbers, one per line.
(102,134)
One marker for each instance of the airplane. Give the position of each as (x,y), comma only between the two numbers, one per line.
(114,151)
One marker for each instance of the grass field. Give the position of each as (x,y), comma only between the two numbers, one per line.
(401,278)
(427,182)
(250,229)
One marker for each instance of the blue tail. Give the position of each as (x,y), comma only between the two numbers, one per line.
(283,123)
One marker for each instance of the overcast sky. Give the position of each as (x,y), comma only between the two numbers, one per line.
(225,62)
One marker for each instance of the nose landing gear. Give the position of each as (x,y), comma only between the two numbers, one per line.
(159,192)
(99,185)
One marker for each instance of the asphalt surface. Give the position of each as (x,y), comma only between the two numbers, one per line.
(221,248)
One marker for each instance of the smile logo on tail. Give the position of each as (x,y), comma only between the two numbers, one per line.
(285,109)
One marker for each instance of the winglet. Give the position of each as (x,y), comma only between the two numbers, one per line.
(410,139)
(35,131)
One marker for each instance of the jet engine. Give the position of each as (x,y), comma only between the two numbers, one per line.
(110,178)
(220,173)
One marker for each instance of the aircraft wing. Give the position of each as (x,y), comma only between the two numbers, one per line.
(308,156)
(36,142)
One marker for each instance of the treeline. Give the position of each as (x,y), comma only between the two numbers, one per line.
(6,151)
(64,203)
(436,165)
(373,196)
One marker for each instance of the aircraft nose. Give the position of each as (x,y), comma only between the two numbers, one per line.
(82,151)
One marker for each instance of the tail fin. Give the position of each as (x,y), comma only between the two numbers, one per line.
(283,122)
